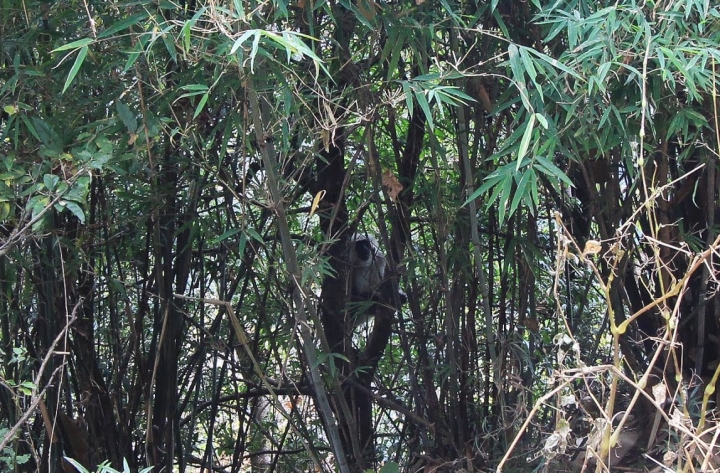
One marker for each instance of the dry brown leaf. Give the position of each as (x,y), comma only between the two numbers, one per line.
(392,185)
(531,324)
(592,247)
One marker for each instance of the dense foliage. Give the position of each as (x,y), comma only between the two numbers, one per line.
(180,182)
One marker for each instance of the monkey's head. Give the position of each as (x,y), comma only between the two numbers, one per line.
(364,250)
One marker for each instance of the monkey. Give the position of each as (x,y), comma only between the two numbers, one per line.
(367,266)
(368,271)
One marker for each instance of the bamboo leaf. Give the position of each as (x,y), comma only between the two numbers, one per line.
(201,105)
(126,23)
(75,68)
(525,142)
(425,106)
(74,45)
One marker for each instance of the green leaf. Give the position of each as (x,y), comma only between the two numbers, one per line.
(4,210)
(528,65)
(490,181)
(186,30)
(554,63)
(543,121)
(434,76)
(425,106)
(79,191)
(170,46)
(126,23)
(239,10)
(501,23)
(239,42)
(393,48)
(241,244)
(407,90)
(127,116)
(253,234)
(81,43)
(515,63)
(201,105)
(75,68)
(50,181)
(225,236)
(457,93)
(505,191)
(521,192)
(75,209)
(195,88)
(390,467)
(525,142)
(254,49)
(547,167)
(45,133)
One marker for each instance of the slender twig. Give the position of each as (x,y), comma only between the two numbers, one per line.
(36,396)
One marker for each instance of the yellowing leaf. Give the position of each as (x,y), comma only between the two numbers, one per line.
(316,201)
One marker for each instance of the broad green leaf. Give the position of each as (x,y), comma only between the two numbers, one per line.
(50,181)
(127,116)
(241,244)
(170,46)
(46,133)
(4,210)
(76,210)
(253,234)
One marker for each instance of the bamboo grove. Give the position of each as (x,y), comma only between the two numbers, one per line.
(180,182)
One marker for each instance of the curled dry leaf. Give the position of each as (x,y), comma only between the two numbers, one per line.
(660,393)
(592,247)
(391,184)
